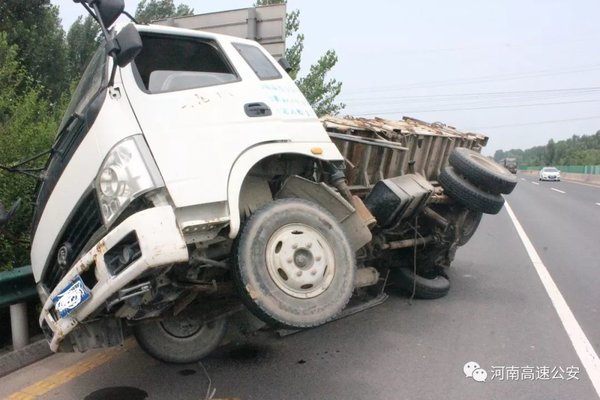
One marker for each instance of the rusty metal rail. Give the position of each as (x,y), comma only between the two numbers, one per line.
(377,148)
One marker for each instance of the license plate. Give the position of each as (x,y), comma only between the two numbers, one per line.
(71,297)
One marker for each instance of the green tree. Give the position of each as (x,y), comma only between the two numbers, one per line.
(293,53)
(152,10)
(28,122)
(499,155)
(550,152)
(82,40)
(577,150)
(34,26)
(513,153)
(319,90)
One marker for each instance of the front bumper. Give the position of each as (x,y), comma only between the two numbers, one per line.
(550,178)
(161,243)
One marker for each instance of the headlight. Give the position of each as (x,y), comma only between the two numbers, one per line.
(127,171)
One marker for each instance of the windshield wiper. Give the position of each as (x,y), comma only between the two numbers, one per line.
(27,171)
(67,127)
(35,172)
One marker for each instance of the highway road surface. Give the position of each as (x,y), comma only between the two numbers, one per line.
(524,306)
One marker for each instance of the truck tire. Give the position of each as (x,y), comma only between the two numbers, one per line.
(469,227)
(294,266)
(482,171)
(181,339)
(469,195)
(425,288)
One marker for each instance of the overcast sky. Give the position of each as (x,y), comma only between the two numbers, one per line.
(519,71)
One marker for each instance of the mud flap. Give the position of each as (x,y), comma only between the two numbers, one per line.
(354,227)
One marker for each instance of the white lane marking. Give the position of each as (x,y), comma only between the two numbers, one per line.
(535,183)
(522,179)
(598,204)
(582,345)
(581,183)
(559,191)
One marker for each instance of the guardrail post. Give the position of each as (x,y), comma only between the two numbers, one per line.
(18,325)
(17,287)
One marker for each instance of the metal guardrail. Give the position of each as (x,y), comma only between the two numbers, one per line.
(17,286)
(575,169)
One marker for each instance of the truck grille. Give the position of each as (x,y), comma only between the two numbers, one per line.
(82,225)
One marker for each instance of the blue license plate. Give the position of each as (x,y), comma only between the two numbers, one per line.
(71,297)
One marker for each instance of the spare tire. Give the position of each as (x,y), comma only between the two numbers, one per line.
(482,171)
(469,195)
(424,288)
(181,339)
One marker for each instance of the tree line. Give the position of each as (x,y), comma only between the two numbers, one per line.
(40,65)
(577,150)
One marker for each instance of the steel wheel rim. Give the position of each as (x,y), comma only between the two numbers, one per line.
(471,222)
(300,261)
(182,326)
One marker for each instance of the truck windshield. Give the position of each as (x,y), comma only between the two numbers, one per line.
(70,134)
(88,86)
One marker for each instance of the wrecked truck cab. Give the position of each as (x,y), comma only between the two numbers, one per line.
(158,164)
(191,181)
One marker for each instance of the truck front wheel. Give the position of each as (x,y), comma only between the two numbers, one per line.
(294,266)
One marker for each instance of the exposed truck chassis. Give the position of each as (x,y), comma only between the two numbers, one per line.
(379,149)
(422,223)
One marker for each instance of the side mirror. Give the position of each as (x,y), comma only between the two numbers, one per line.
(129,45)
(109,10)
(6,216)
(285,64)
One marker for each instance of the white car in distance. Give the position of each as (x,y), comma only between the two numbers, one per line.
(549,174)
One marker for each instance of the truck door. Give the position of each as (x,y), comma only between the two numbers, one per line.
(200,105)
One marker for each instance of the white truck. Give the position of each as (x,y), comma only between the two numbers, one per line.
(191,181)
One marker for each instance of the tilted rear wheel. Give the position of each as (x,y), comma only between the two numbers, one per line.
(469,195)
(181,339)
(294,266)
(482,171)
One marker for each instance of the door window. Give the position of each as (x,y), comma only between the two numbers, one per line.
(171,63)
(259,63)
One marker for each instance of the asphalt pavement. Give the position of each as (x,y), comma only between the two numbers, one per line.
(497,314)
(562,219)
